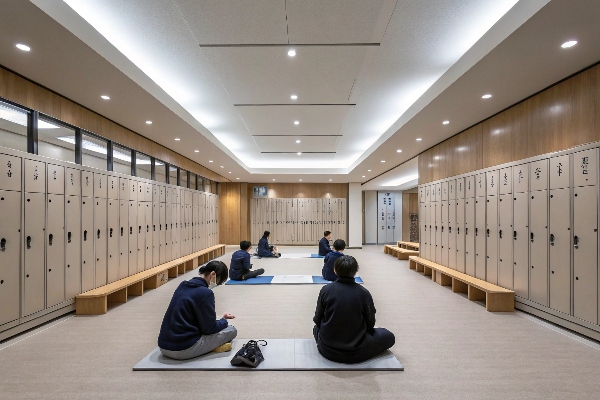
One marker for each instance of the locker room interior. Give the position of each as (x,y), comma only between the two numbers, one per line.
(453,146)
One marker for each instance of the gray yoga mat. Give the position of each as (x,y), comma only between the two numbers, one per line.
(280,355)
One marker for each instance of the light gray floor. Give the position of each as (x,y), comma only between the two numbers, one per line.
(450,347)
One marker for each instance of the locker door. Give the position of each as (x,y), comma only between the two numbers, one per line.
(585,166)
(432,231)
(505,241)
(521,244)
(113,187)
(421,194)
(133,237)
(87,244)
(460,235)
(169,230)
(520,178)
(10,177)
(10,251)
(56,179)
(538,179)
(491,234)
(100,240)
(559,172)
(113,239)
(55,251)
(162,233)
(538,247)
(424,237)
(505,180)
(155,234)
(123,239)
(480,185)
(73,182)
(470,236)
(100,185)
(460,188)
(124,189)
(444,191)
(451,230)
(169,195)
(492,182)
(480,235)
(148,234)
(87,184)
(452,189)
(585,253)
(35,177)
(470,187)
(155,193)
(174,228)
(560,249)
(141,235)
(34,283)
(148,191)
(444,228)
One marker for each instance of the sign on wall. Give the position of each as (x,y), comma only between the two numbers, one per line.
(260,192)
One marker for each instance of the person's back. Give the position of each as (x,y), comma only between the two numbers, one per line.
(240,267)
(328,266)
(264,250)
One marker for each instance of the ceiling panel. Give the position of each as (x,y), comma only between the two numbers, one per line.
(295,161)
(236,22)
(279,120)
(267,75)
(333,21)
(288,143)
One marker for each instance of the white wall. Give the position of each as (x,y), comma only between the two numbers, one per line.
(370,215)
(355,216)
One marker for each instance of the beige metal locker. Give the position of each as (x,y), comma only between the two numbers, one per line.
(155,234)
(438,191)
(155,193)
(113,187)
(480,233)
(10,248)
(124,189)
(175,229)
(491,234)
(148,193)
(424,237)
(133,237)
(442,247)
(147,229)
(141,190)
(470,187)
(56,179)
(123,238)
(560,247)
(100,185)
(585,252)
(538,175)
(432,231)
(428,193)
(505,180)
(480,185)
(141,235)
(169,229)
(10,177)
(451,229)
(162,193)
(55,251)
(538,246)
(100,239)
(521,178)
(505,241)
(444,189)
(113,239)
(452,189)
(585,167)
(521,244)
(421,194)
(169,195)
(35,176)
(162,232)
(492,183)
(88,261)
(460,188)
(559,172)
(87,184)
(34,283)
(470,236)
(73,182)
(133,190)
(460,234)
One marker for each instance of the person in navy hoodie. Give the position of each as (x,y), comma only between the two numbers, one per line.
(190,327)
(345,319)
(324,248)
(328,267)
(240,268)
(266,250)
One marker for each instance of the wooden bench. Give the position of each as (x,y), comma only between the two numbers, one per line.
(399,253)
(496,298)
(96,300)
(409,245)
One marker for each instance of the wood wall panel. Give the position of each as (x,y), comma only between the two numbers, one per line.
(561,117)
(410,205)
(302,190)
(31,95)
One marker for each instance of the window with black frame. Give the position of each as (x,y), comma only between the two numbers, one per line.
(94,151)
(143,166)
(56,140)
(160,168)
(121,159)
(192,180)
(13,127)
(183,178)
(172,175)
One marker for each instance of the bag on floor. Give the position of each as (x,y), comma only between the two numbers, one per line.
(249,355)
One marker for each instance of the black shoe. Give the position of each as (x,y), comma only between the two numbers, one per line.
(249,355)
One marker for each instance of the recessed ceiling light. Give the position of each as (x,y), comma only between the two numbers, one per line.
(296,122)
(237,178)
(105,97)
(299,153)
(197,151)
(293,97)
(273,178)
(292,53)
(210,160)
(568,44)
(23,47)
(382,160)
(298,141)
(222,166)
(419,139)
(398,151)
(446,122)
(486,96)
(330,180)
(177,139)
(229,171)
(363,176)
(300,180)
(368,170)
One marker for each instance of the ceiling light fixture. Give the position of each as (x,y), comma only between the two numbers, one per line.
(23,47)
(222,166)
(105,97)
(368,170)
(330,180)
(382,160)
(298,141)
(293,97)
(296,122)
(398,151)
(568,44)
(299,153)
(237,178)
(419,139)
(178,139)
(210,160)
(292,53)
(446,122)
(363,176)
(229,171)
(197,151)
(300,180)
(486,96)
(149,122)
(273,178)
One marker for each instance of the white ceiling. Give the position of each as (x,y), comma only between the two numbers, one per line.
(434,61)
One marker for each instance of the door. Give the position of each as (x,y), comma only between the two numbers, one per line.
(174,229)
(133,237)
(100,240)
(34,284)
(123,238)
(505,241)
(432,230)
(10,176)
(35,176)
(162,228)
(491,235)
(460,235)
(560,249)
(114,256)
(155,234)
(169,230)
(141,235)
(538,247)
(451,230)
(113,187)
(10,251)
(521,244)
(148,234)
(480,233)
(470,236)
(55,251)
(87,184)
(444,228)
(56,179)
(438,229)
(73,244)
(87,244)
(424,237)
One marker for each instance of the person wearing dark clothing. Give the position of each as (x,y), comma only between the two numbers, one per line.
(240,268)
(345,319)
(190,326)
(266,250)
(324,248)
(328,273)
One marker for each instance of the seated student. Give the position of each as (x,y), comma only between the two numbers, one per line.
(345,319)
(190,326)
(324,248)
(264,249)
(240,267)
(328,273)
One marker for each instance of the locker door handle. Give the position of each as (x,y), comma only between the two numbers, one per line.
(531,236)
(551,239)
(449,229)
(476,231)
(458,230)
(153,228)
(500,233)
(28,242)
(98,233)
(121,231)
(487,232)
(50,237)
(111,232)
(84,236)
(147,228)
(442,229)
(515,235)
(576,242)
(131,230)
(466,231)
(3,244)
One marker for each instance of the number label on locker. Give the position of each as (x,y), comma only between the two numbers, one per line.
(10,177)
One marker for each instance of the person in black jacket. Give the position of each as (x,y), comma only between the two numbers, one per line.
(324,248)
(345,319)
(266,250)
(240,267)
(190,326)
(328,266)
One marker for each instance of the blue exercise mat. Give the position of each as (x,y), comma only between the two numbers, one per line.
(285,279)
(320,279)
(259,280)
(316,256)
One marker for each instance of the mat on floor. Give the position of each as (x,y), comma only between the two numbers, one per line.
(285,279)
(280,355)
(294,255)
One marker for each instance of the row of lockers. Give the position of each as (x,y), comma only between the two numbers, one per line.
(61,237)
(535,232)
(297,221)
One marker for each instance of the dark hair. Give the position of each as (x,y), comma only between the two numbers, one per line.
(218,267)
(346,266)
(266,234)
(339,244)
(245,245)
(326,233)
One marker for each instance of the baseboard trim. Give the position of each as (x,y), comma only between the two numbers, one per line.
(25,326)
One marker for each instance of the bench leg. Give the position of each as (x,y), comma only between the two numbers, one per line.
(194,263)
(442,279)
(475,294)
(189,265)
(427,271)
(137,289)
(459,286)
(120,296)
(181,269)
(412,264)
(419,267)
(91,306)
(385,250)
(500,302)
(173,272)
(402,256)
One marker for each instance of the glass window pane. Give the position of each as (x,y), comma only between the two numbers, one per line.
(207,185)
(13,127)
(143,167)
(160,171)
(121,159)
(183,178)
(94,151)
(192,180)
(172,175)
(56,141)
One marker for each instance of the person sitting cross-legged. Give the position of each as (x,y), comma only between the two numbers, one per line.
(345,319)
(324,248)
(240,268)
(265,249)
(338,250)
